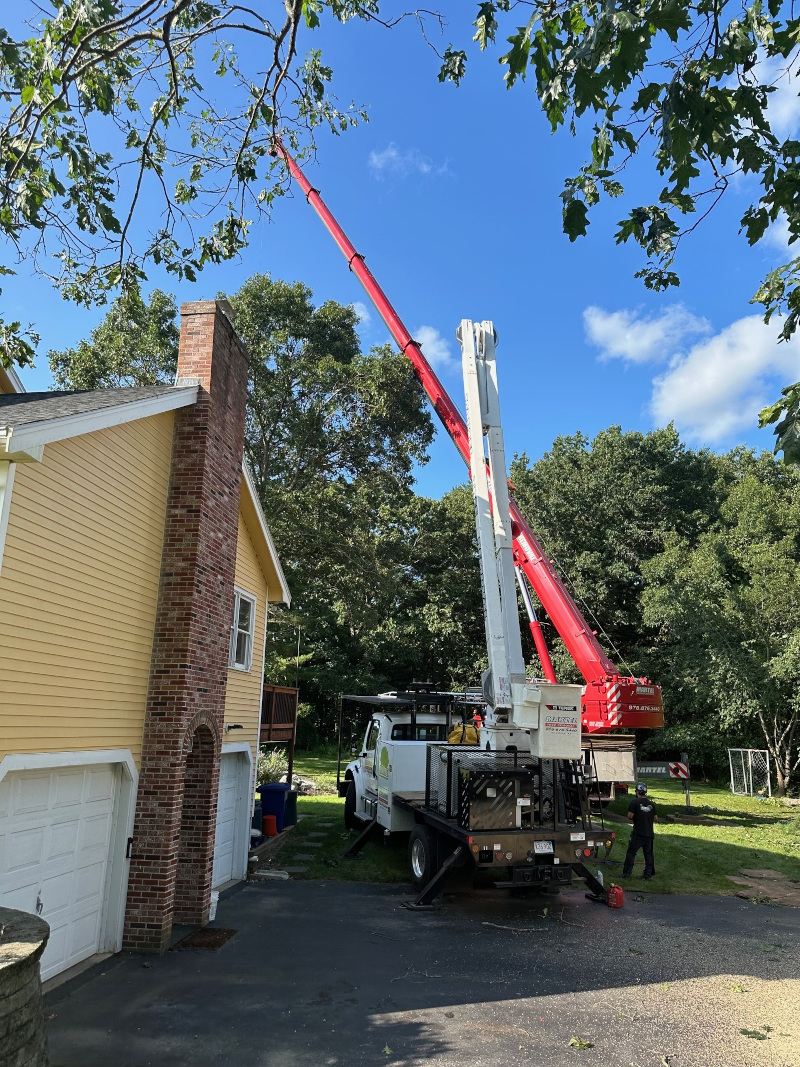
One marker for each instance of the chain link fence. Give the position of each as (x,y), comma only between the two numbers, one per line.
(750,772)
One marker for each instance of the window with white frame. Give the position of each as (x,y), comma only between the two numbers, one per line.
(242,630)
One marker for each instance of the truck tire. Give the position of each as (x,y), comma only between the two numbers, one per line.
(351,821)
(422,855)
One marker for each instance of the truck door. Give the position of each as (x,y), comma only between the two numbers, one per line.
(368,759)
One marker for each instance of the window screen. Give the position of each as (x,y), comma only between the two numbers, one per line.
(242,630)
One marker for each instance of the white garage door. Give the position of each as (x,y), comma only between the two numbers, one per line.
(55,833)
(229,817)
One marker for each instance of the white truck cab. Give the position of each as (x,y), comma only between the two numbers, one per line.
(392,756)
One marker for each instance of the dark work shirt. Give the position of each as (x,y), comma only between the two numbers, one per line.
(644,812)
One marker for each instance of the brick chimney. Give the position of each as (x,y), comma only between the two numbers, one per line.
(172,851)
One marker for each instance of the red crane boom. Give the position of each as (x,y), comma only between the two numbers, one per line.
(610,700)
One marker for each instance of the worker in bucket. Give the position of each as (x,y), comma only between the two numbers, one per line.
(642,813)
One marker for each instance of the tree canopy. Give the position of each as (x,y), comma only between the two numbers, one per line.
(101,104)
(688,563)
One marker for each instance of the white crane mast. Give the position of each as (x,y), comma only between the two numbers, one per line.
(493,523)
(543,715)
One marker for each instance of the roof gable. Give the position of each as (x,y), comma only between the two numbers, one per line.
(29,421)
(256,523)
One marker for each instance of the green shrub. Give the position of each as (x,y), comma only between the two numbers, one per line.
(272,765)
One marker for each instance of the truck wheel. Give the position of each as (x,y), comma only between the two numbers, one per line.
(422,856)
(351,822)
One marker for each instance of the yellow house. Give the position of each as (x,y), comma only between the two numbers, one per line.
(135,563)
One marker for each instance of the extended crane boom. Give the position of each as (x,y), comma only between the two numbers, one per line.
(611,700)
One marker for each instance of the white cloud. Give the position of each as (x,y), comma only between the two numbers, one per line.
(777,236)
(435,348)
(718,387)
(363,312)
(783,106)
(638,338)
(409,161)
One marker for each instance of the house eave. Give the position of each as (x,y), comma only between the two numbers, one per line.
(25,443)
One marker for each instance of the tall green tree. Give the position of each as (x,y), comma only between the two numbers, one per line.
(135,344)
(332,435)
(602,509)
(727,609)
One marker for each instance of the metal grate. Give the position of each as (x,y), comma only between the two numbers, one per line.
(750,772)
(499,790)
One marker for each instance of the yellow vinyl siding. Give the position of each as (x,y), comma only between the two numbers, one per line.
(243,694)
(79,590)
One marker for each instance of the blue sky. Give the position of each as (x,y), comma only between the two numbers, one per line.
(452,195)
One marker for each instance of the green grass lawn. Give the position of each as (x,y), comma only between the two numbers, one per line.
(689,858)
(324,815)
(319,765)
(695,859)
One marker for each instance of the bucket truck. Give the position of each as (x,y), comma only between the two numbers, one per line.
(610,700)
(517,801)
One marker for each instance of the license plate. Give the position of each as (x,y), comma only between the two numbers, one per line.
(540,847)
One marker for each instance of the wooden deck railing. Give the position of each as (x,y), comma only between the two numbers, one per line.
(279,719)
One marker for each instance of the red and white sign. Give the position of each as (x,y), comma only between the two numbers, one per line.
(679,770)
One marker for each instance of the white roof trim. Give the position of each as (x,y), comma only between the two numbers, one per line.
(14,380)
(286,596)
(28,441)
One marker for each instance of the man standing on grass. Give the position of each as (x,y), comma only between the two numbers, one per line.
(642,813)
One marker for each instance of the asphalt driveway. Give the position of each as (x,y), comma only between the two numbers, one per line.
(341,975)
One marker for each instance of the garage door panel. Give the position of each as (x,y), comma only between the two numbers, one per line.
(26,849)
(56,894)
(63,840)
(54,957)
(89,883)
(83,935)
(68,788)
(56,852)
(99,784)
(5,798)
(31,795)
(94,833)
(22,897)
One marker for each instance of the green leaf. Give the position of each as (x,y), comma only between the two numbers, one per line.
(580,1044)
(454,64)
(485,25)
(516,59)
(574,220)
(27,94)
(311,9)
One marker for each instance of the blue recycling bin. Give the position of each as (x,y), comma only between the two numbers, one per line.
(273,802)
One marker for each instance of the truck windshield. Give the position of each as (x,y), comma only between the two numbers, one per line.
(425,731)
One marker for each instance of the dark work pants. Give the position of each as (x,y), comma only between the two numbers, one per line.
(639,841)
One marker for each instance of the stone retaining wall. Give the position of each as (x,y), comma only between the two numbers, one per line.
(23,1034)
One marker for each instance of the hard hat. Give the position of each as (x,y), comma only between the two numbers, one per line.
(641,788)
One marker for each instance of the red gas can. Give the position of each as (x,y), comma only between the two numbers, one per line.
(614,896)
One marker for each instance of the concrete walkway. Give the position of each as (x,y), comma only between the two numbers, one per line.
(341,975)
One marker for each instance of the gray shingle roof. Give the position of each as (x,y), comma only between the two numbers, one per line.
(24,409)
